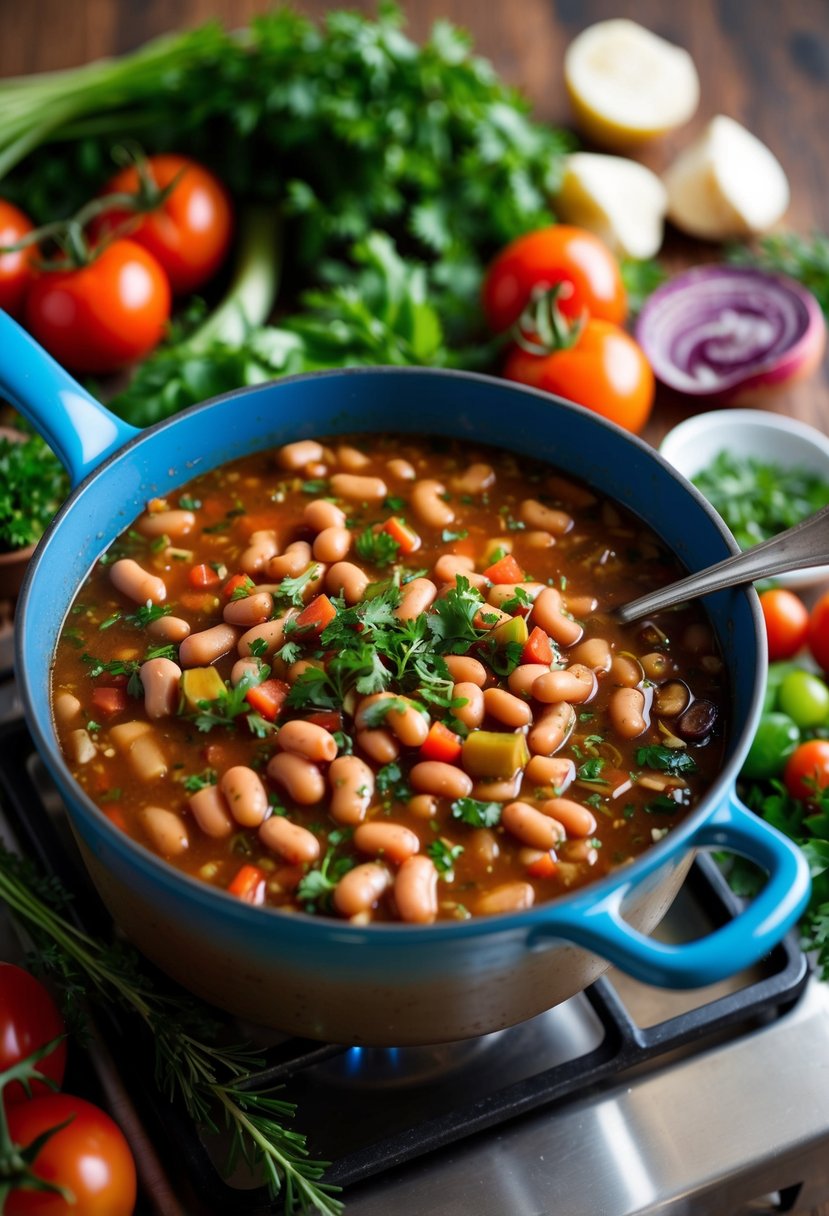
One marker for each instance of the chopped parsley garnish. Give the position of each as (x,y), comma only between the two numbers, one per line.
(476,814)
(317,886)
(444,856)
(194,782)
(377,548)
(673,760)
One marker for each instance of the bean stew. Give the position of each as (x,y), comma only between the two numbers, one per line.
(379,678)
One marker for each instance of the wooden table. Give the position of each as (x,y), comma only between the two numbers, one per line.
(764,63)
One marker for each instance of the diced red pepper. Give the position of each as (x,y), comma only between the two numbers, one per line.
(248,884)
(328,719)
(544,866)
(399,530)
(108,700)
(115,815)
(268,698)
(315,616)
(234,582)
(538,648)
(441,743)
(202,577)
(505,570)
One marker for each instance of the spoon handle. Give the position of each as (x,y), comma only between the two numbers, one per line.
(806,544)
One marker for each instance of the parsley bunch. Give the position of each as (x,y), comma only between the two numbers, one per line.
(33,485)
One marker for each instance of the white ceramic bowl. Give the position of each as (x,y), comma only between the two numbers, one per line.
(768,437)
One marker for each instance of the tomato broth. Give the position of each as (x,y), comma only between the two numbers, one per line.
(380,678)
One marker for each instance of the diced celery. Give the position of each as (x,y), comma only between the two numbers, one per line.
(513,630)
(200,684)
(497,754)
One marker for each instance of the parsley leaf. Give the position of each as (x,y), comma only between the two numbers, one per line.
(671,760)
(476,814)
(377,548)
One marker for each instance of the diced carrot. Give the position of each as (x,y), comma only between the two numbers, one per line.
(314,618)
(268,698)
(198,601)
(543,867)
(235,581)
(115,815)
(108,700)
(328,719)
(248,884)
(538,648)
(258,521)
(399,530)
(203,576)
(441,743)
(505,570)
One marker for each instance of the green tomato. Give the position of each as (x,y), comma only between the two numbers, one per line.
(776,676)
(805,698)
(776,738)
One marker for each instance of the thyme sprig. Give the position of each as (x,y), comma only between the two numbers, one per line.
(207,1076)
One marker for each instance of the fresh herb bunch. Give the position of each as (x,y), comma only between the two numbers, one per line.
(191,1065)
(758,499)
(803,258)
(33,485)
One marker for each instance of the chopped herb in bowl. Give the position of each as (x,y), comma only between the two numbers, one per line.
(33,485)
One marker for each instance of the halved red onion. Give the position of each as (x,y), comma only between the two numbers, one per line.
(729,331)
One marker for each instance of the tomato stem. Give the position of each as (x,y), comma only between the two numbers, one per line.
(542,328)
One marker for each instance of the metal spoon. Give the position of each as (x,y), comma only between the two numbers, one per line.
(806,544)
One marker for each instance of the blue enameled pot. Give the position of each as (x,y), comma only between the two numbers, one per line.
(390,984)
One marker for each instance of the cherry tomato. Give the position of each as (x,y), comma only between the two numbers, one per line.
(807,770)
(776,738)
(29,1019)
(805,698)
(189,234)
(90,1157)
(605,370)
(15,268)
(103,316)
(558,254)
(787,622)
(818,636)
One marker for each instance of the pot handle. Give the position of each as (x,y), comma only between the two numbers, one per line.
(742,942)
(79,430)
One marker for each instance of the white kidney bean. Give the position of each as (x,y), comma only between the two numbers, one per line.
(332,544)
(291,841)
(449,565)
(351,458)
(348,580)
(137,583)
(125,733)
(352,788)
(321,514)
(521,680)
(557,772)
(477,478)
(530,826)
(581,606)
(361,888)
(174,524)
(551,729)
(497,791)
(308,740)
(465,670)
(422,806)
(442,780)
(538,539)
(401,469)
(249,610)
(169,628)
(626,707)
(379,744)
(299,668)
(576,819)
(626,670)
(302,779)
(569,491)
(428,505)
(498,595)
(160,679)
(146,758)
(548,612)
(472,713)
(507,708)
(509,897)
(210,812)
(354,488)
(483,845)
(576,684)
(67,707)
(297,455)
(203,648)
(594,653)
(272,633)
(246,795)
(546,519)
(261,548)
(405,721)
(166,832)
(295,559)
(244,668)
(657,665)
(416,891)
(415,597)
(392,840)
(80,746)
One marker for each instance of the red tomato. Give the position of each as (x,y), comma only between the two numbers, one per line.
(103,316)
(29,1019)
(189,234)
(818,636)
(605,370)
(90,1157)
(15,268)
(559,254)
(787,622)
(807,769)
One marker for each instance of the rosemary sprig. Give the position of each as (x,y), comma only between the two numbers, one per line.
(206,1076)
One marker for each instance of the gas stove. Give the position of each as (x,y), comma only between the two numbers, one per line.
(624,1101)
